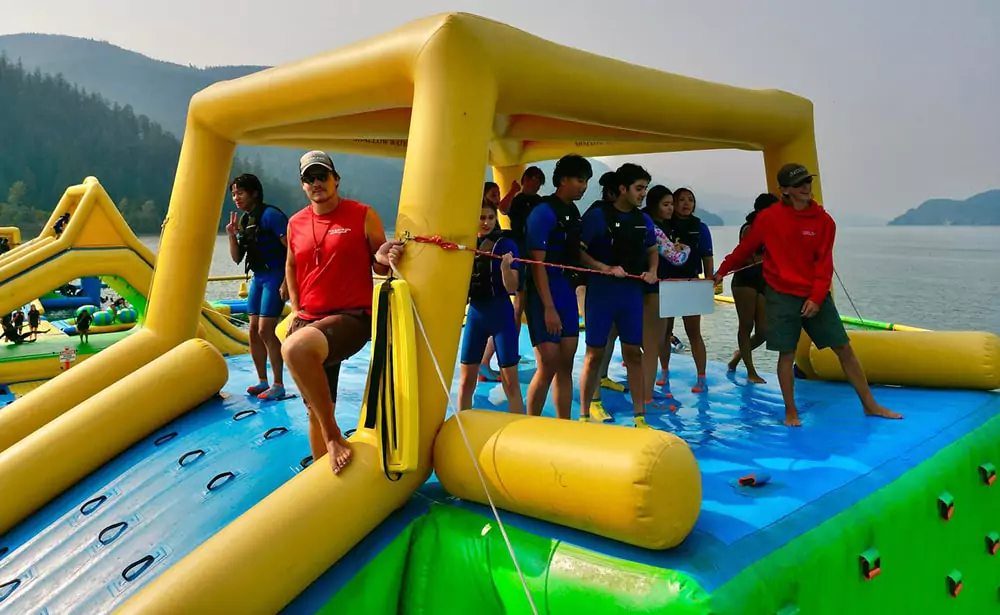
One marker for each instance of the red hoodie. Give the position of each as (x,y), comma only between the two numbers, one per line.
(798,250)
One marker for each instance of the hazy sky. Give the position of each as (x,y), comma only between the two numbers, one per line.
(906,92)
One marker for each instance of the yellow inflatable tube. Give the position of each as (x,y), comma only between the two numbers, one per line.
(55,457)
(643,488)
(930,359)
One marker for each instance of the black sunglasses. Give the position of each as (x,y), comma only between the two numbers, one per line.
(804,182)
(309,178)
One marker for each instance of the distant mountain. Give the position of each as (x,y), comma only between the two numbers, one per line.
(980,210)
(162,91)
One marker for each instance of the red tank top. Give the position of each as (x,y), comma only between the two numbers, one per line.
(333,259)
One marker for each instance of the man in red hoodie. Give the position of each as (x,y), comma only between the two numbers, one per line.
(797,235)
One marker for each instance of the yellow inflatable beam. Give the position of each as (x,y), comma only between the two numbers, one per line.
(639,486)
(929,359)
(450,93)
(55,457)
(97,240)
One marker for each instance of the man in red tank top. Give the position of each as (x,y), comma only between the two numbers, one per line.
(334,245)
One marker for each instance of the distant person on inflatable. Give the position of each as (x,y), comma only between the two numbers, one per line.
(259,236)
(748,294)
(34,319)
(797,235)
(60,224)
(521,205)
(491,314)
(618,241)
(334,244)
(10,331)
(83,321)
(553,237)
(4,245)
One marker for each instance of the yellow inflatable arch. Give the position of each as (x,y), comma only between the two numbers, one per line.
(450,94)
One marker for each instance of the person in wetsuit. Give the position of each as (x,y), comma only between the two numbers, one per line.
(553,237)
(618,241)
(334,244)
(258,237)
(34,320)
(748,294)
(491,314)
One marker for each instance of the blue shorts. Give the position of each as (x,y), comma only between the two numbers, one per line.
(618,303)
(264,298)
(564,298)
(490,317)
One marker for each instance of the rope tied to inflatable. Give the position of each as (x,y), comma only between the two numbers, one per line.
(468,444)
(451,246)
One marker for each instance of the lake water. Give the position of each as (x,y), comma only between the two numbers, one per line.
(944,278)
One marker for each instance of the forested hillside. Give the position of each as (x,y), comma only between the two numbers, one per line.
(53,134)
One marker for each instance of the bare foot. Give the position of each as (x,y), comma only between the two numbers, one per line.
(734,362)
(792,418)
(882,412)
(339,452)
(756,379)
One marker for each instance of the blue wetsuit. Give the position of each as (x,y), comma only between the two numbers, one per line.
(548,230)
(623,240)
(265,256)
(490,311)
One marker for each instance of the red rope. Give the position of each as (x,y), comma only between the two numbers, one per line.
(450,246)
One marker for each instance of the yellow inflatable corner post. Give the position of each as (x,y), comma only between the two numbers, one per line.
(451,93)
(639,486)
(105,425)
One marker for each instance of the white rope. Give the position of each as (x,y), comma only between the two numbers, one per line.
(472,454)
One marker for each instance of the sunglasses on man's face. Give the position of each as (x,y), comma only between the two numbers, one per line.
(309,178)
(805,182)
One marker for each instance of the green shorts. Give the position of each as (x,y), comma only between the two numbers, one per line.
(785,322)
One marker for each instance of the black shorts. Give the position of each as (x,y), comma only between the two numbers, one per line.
(750,278)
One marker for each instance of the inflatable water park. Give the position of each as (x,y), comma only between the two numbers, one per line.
(139,477)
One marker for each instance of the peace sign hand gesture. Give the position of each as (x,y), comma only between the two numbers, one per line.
(234,224)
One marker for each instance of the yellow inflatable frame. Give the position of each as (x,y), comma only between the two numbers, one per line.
(449,93)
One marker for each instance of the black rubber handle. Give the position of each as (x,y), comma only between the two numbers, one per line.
(165,438)
(223,478)
(242,414)
(93,504)
(3,551)
(306,462)
(110,533)
(197,453)
(8,588)
(349,433)
(133,570)
(274,432)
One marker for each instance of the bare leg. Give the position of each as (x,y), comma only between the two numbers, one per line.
(467,385)
(564,377)
(317,445)
(665,349)
(547,360)
(602,370)
(692,326)
(273,349)
(258,350)
(746,309)
(856,376)
(491,350)
(512,387)
(589,378)
(304,353)
(581,302)
(633,363)
(652,338)
(786,379)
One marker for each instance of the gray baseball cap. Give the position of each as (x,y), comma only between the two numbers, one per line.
(793,174)
(316,158)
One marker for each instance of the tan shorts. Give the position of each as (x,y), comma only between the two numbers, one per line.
(346,333)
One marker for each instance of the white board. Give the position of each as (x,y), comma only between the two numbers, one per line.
(686,298)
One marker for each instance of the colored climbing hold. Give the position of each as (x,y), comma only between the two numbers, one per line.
(758,479)
(992,543)
(955,583)
(946,506)
(988,473)
(871,564)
